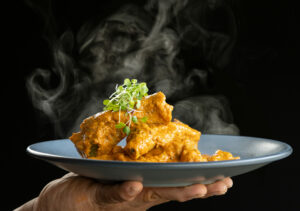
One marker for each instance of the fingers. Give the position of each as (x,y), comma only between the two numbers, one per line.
(105,196)
(180,194)
(183,194)
(219,187)
(228,182)
(109,194)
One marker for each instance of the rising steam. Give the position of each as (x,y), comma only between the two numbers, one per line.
(142,43)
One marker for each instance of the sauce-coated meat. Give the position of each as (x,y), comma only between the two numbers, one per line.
(98,134)
(158,139)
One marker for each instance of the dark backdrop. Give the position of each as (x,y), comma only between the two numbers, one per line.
(261,84)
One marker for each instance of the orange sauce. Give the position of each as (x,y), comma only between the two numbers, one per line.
(157,140)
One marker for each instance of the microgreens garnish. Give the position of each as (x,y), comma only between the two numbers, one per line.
(127,97)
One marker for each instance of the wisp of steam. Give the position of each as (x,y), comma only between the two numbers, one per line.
(146,44)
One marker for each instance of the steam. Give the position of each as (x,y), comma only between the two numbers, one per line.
(210,113)
(141,43)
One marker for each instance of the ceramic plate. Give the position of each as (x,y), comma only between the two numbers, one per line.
(254,153)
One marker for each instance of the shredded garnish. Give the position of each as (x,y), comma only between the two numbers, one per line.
(127,97)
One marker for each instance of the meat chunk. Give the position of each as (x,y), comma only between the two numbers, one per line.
(155,109)
(98,134)
(145,137)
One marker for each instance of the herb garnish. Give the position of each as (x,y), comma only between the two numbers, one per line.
(127,97)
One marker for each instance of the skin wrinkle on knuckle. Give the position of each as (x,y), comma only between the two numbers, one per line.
(191,192)
(151,196)
(109,199)
(106,195)
(201,190)
(179,194)
(129,191)
(120,194)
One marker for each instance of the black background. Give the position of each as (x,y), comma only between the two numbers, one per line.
(261,84)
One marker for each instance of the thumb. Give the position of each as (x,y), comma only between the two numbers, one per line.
(109,194)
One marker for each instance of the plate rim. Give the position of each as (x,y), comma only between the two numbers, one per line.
(159,165)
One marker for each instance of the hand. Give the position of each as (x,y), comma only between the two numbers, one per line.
(75,193)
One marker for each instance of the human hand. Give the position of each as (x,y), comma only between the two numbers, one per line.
(75,193)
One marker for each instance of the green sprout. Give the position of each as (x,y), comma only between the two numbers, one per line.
(127,97)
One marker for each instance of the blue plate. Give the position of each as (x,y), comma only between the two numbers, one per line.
(254,153)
